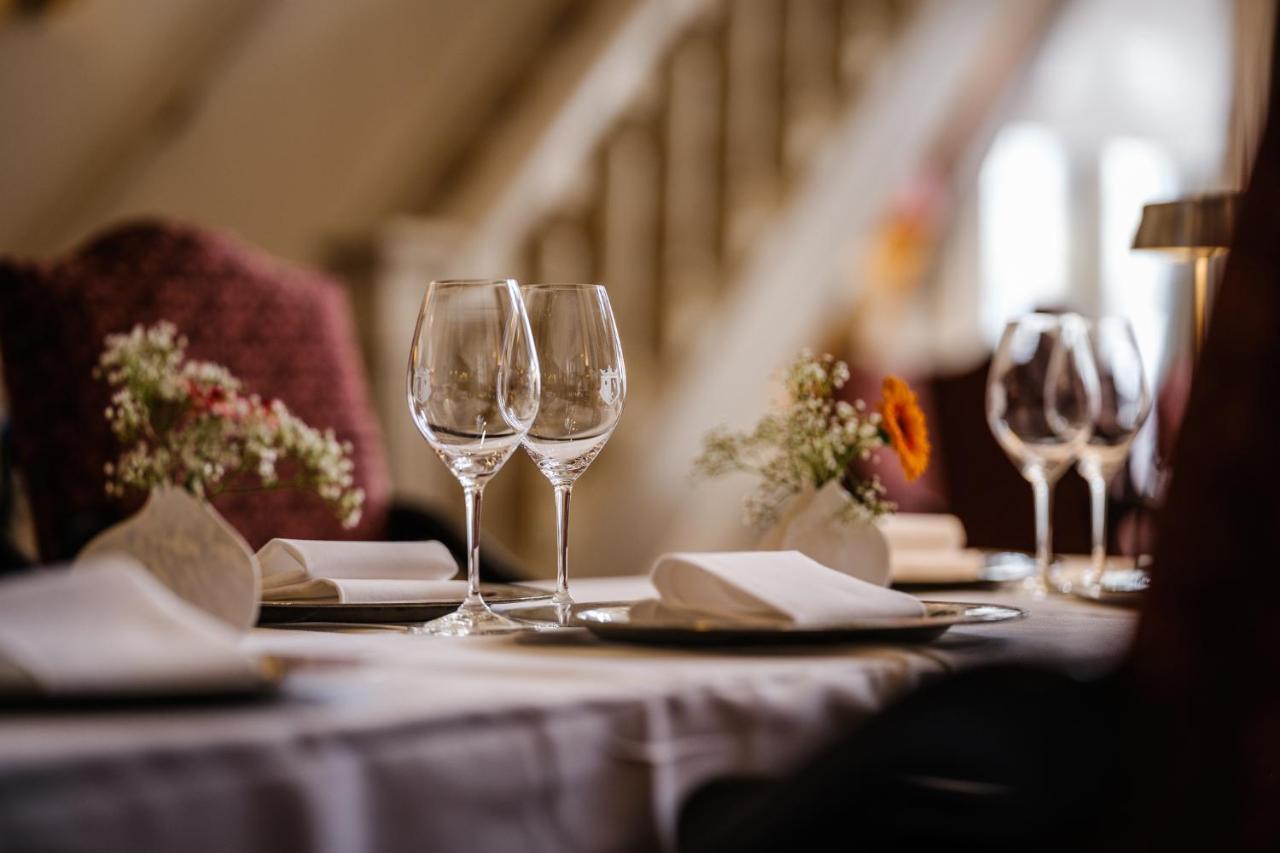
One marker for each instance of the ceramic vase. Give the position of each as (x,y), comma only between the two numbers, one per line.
(192,550)
(817,524)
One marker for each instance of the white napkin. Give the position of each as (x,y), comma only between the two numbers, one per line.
(775,586)
(937,567)
(921,531)
(113,630)
(929,548)
(356,572)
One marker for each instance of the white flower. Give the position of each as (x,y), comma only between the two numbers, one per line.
(810,441)
(186,422)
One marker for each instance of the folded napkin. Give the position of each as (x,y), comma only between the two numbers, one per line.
(774,586)
(920,531)
(111,631)
(929,548)
(937,567)
(356,572)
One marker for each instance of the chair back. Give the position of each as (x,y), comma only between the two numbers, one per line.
(285,332)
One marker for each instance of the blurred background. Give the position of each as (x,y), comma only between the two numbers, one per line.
(885,180)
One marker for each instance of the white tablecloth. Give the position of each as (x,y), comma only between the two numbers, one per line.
(480,744)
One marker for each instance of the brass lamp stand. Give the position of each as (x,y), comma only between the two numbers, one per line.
(1195,229)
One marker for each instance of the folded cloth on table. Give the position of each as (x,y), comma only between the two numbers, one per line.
(357,572)
(964,565)
(115,630)
(775,586)
(929,548)
(921,531)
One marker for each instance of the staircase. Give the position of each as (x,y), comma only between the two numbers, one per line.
(714,164)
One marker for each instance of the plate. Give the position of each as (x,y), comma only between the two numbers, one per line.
(298,612)
(1122,587)
(619,622)
(1123,580)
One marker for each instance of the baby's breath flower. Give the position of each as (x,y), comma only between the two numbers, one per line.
(807,442)
(186,423)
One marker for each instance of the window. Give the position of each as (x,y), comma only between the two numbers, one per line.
(1023,225)
(1131,173)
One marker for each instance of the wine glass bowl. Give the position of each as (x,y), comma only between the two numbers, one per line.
(1041,402)
(584,386)
(1124,402)
(473,391)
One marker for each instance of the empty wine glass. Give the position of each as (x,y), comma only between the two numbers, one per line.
(1124,401)
(584,384)
(473,387)
(1041,400)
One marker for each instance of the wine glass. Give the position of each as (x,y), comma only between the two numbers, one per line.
(473,387)
(584,384)
(1041,399)
(1124,401)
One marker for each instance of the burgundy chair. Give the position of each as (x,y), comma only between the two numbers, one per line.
(285,331)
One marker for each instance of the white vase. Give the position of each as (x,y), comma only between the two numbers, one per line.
(816,524)
(192,550)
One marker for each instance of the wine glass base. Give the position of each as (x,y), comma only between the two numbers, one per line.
(1035,586)
(1123,579)
(546,617)
(469,620)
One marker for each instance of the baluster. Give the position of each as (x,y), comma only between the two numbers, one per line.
(865,29)
(564,252)
(630,230)
(692,220)
(753,101)
(810,94)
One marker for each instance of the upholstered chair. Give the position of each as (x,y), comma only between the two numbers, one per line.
(285,331)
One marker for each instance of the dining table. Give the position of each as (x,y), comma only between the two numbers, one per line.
(378,739)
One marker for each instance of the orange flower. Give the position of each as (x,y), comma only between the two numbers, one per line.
(905,426)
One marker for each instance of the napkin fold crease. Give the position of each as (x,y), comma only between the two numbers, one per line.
(111,628)
(773,586)
(929,548)
(356,572)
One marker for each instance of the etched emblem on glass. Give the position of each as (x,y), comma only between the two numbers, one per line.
(421,385)
(610,385)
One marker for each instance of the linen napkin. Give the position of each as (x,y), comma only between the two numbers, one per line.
(929,548)
(356,572)
(922,531)
(937,567)
(774,586)
(111,631)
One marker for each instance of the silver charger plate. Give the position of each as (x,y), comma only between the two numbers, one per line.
(622,622)
(299,612)
(1123,581)
(1121,587)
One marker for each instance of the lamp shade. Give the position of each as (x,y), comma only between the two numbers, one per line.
(1200,225)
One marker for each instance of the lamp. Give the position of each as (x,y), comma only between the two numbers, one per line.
(1196,229)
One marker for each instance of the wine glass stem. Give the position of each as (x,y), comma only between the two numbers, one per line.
(472,495)
(562,545)
(1043,492)
(1098,502)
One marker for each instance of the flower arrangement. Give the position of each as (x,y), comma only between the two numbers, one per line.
(189,424)
(813,439)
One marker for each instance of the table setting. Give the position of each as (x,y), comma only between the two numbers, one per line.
(495,366)
(714,663)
